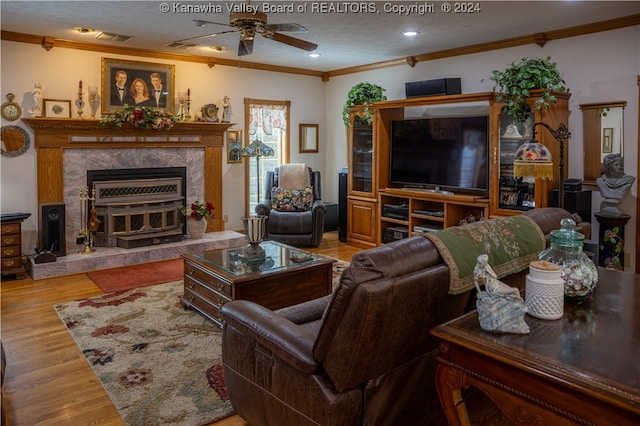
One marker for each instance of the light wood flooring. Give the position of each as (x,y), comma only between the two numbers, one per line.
(48,381)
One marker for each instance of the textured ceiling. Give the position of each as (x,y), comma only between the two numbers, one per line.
(346,36)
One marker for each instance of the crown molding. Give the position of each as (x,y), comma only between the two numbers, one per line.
(539,38)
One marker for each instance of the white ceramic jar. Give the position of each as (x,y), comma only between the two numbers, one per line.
(544,291)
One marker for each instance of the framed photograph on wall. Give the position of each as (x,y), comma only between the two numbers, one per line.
(607,140)
(136,84)
(234,145)
(56,108)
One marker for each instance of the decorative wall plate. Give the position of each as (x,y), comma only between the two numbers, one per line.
(15,140)
(10,110)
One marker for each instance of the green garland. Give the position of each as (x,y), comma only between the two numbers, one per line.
(140,117)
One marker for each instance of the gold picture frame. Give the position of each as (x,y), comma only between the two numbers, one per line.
(56,108)
(234,145)
(308,138)
(607,140)
(112,99)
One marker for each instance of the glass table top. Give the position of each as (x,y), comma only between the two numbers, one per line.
(265,257)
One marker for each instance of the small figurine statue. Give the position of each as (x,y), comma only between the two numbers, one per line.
(36,109)
(225,109)
(500,306)
(613,185)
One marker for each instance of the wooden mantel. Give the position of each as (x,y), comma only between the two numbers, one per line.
(53,135)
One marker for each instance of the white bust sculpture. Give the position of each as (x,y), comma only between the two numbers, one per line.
(613,185)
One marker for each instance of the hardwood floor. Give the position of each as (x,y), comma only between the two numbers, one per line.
(48,381)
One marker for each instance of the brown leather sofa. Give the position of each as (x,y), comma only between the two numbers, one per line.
(361,356)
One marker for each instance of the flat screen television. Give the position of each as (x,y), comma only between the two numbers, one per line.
(450,154)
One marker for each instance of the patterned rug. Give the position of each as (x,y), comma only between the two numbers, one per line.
(161,364)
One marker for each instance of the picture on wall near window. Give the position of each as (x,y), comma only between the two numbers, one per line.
(607,140)
(308,138)
(136,83)
(234,145)
(56,108)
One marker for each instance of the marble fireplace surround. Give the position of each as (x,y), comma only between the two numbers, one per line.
(67,148)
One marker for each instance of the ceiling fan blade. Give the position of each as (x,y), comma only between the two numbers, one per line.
(204,36)
(289,28)
(292,41)
(202,23)
(245,47)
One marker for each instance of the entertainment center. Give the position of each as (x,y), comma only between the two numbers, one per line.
(438,161)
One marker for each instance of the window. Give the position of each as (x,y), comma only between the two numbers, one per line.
(268,121)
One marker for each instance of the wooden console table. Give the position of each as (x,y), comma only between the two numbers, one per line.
(581,369)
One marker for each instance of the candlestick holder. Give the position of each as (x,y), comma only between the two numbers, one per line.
(80,104)
(188,104)
(182,96)
(93,96)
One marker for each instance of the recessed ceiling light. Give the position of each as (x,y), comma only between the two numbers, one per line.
(410,33)
(83,30)
(314,55)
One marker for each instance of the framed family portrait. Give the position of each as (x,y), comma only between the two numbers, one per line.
(136,83)
(56,108)
(234,145)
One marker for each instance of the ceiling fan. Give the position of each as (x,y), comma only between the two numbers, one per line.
(249,22)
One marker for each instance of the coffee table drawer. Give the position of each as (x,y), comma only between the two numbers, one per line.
(210,309)
(194,274)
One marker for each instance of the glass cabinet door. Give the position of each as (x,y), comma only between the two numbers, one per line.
(361,167)
(514,193)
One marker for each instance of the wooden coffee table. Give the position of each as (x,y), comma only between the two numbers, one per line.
(274,280)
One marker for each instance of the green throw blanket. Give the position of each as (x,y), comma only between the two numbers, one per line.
(511,244)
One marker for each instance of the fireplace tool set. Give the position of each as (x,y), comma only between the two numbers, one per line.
(89,222)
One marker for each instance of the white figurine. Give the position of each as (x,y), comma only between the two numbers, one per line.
(225,109)
(500,307)
(36,109)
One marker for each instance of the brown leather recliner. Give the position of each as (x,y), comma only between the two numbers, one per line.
(298,228)
(361,356)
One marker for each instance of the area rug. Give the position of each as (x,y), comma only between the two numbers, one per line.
(160,363)
(134,276)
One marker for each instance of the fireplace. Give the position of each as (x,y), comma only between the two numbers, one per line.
(138,207)
(67,148)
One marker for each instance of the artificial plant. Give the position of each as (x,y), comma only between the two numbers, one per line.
(363,94)
(516,82)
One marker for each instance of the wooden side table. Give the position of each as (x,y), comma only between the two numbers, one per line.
(11,244)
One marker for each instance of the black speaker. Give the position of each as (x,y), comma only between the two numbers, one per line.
(342,205)
(440,86)
(576,202)
(52,224)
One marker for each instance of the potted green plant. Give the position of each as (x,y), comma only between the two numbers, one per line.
(516,82)
(363,94)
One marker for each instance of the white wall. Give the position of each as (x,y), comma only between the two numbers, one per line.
(59,71)
(598,67)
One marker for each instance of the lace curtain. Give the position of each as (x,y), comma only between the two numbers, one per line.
(267,117)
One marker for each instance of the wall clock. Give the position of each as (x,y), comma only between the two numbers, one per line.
(10,110)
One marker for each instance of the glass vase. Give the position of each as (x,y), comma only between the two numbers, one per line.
(578,272)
